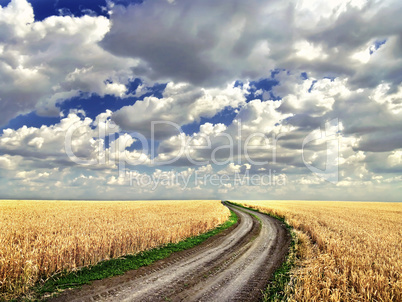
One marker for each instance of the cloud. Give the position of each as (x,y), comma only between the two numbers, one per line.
(75,141)
(209,44)
(191,42)
(181,104)
(46,62)
(330,60)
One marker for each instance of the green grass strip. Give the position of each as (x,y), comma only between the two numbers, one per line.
(119,266)
(275,290)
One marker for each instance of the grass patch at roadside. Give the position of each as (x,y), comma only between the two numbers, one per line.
(276,289)
(119,266)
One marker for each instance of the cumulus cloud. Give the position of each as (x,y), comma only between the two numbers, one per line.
(209,43)
(201,42)
(282,127)
(46,62)
(181,104)
(75,141)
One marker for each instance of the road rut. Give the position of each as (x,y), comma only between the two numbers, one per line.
(233,266)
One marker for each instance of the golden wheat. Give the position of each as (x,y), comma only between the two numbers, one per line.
(40,238)
(349,251)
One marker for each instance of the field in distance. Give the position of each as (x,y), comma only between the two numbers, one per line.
(40,238)
(348,251)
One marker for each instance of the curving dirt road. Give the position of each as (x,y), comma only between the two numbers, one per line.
(232,266)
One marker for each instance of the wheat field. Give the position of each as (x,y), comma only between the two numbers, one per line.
(348,251)
(40,238)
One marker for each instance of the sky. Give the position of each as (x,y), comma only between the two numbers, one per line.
(201,99)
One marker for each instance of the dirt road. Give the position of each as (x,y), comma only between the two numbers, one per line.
(232,266)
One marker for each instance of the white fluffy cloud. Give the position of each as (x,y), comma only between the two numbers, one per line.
(75,141)
(49,61)
(181,104)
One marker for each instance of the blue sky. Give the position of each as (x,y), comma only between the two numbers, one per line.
(183,99)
